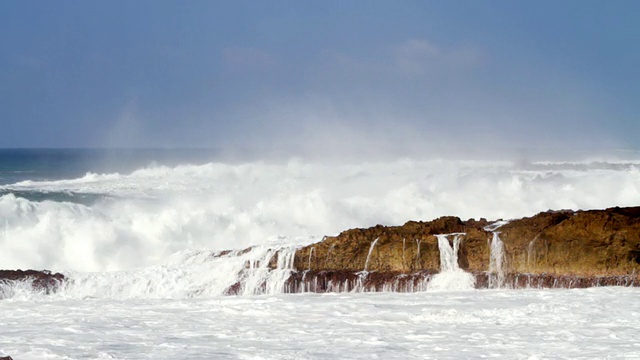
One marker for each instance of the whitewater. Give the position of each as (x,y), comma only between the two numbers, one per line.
(107,222)
(150,252)
(596,323)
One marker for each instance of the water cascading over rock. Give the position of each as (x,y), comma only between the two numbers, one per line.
(496,262)
(558,249)
(451,277)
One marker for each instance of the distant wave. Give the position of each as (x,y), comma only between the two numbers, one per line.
(62,196)
(141,218)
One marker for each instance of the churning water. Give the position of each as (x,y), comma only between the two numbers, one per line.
(143,251)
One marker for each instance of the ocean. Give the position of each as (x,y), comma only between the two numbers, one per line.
(137,231)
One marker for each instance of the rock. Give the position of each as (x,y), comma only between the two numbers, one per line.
(6,358)
(40,280)
(551,249)
(408,248)
(591,247)
(585,243)
(346,281)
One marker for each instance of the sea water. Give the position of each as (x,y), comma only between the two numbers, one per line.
(139,235)
(596,323)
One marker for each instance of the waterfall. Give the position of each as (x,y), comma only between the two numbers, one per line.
(451,277)
(449,255)
(362,275)
(373,244)
(193,273)
(261,279)
(496,261)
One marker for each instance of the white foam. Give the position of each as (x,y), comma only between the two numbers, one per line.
(596,323)
(496,261)
(155,212)
(450,277)
(188,274)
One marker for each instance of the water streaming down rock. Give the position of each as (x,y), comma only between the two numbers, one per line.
(362,275)
(263,277)
(496,261)
(253,271)
(450,277)
(366,263)
(532,248)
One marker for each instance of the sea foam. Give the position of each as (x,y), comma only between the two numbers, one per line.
(141,219)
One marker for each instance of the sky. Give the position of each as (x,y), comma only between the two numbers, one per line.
(386,76)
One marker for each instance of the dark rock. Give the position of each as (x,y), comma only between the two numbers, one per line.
(345,281)
(40,280)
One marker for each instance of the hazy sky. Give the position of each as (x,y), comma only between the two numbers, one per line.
(320,75)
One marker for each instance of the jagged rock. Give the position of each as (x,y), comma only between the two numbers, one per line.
(583,244)
(408,248)
(345,281)
(551,249)
(41,280)
(6,358)
(586,243)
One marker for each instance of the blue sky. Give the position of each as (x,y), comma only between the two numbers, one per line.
(394,75)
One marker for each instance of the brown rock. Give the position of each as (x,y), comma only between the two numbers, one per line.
(584,244)
(408,248)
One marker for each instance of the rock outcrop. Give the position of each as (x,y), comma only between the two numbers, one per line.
(409,248)
(551,249)
(587,243)
(40,280)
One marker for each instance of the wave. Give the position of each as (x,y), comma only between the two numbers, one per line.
(141,219)
(61,196)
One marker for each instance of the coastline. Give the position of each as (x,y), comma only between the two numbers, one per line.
(553,249)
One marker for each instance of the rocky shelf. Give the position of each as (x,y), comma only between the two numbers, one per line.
(553,249)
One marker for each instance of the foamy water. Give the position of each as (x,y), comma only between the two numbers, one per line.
(146,276)
(596,323)
(143,218)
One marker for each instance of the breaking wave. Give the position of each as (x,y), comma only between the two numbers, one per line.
(144,218)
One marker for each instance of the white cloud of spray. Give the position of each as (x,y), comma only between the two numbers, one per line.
(155,212)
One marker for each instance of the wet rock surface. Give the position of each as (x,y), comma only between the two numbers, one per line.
(588,243)
(346,281)
(551,249)
(41,280)
(408,248)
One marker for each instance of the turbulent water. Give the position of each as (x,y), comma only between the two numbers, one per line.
(596,323)
(142,246)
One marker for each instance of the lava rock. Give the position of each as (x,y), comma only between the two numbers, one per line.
(579,244)
(42,280)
